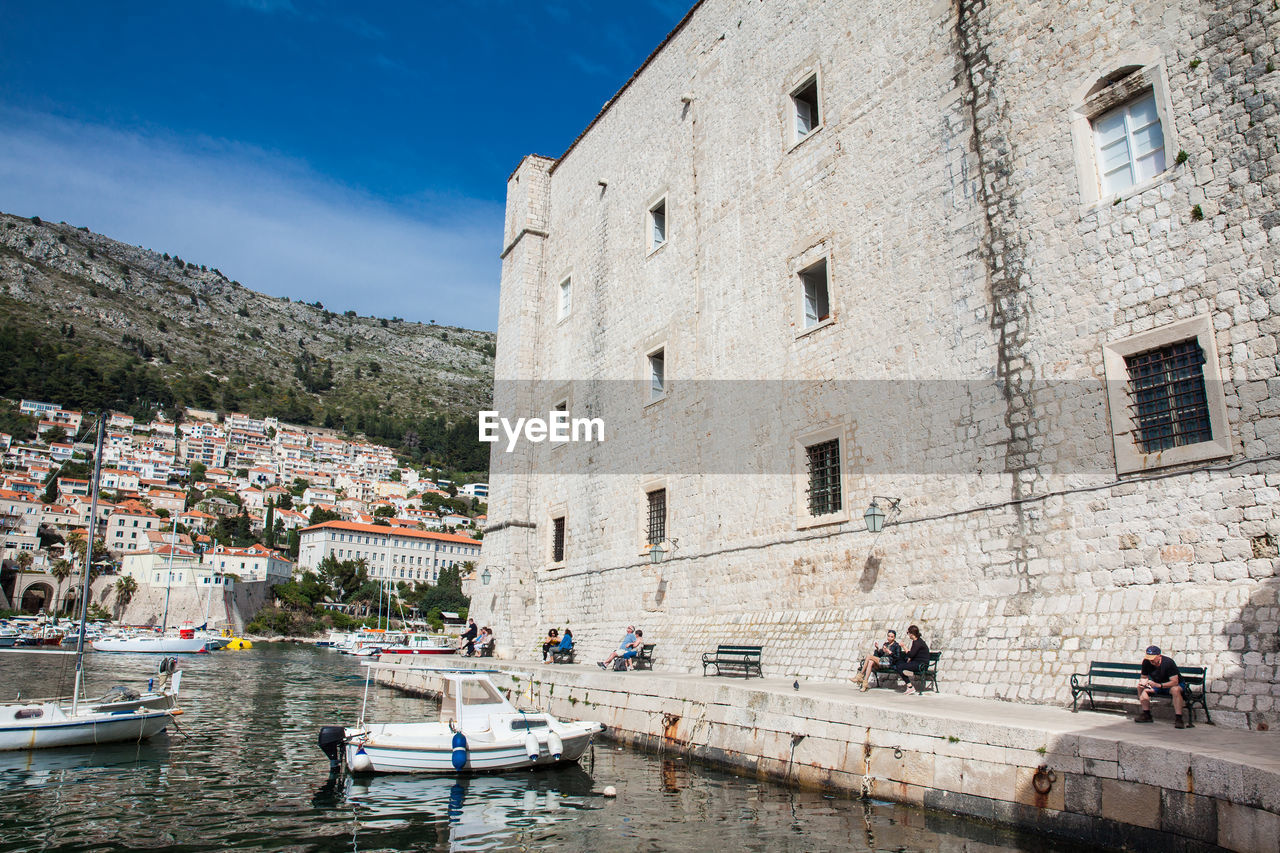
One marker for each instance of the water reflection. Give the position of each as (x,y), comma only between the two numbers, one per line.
(471,812)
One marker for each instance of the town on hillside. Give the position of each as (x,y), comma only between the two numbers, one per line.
(212,506)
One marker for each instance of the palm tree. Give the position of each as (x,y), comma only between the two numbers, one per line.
(126,586)
(24,560)
(61,570)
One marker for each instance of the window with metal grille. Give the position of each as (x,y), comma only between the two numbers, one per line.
(1168,397)
(824,477)
(557,540)
(657,516)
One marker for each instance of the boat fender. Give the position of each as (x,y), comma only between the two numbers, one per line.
(459,750)
(361,762)
(554,745)
(330,741)
(531,746)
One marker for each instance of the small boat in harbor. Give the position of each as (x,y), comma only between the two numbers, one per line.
(422,644)
(478,731)
(121,714)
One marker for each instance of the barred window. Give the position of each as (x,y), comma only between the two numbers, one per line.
(824,477)
(557,540)
(657,516)
(1168,397)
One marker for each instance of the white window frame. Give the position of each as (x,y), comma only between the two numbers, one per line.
(794,112)
(564,298)
(819,253)
(1128,455)
(805,519)
(1096,98)
(660,389)
(652,242)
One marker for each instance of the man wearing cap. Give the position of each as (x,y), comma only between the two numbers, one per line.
(1159,677)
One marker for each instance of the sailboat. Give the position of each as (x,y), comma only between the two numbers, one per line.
(121,715)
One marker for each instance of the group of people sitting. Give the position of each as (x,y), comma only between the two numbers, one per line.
(623,657)
(890,655)
(475,642)
(556,643)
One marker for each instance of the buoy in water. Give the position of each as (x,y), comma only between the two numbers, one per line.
(459,751)
(531,746)
(610,791)
(361,762)
(555,746)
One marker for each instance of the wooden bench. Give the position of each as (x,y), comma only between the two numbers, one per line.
(1116,678)
(566,656)
(742,659)
(929,673)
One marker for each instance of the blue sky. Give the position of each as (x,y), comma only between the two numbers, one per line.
(354,153)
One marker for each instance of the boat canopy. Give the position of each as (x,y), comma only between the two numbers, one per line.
(470,699)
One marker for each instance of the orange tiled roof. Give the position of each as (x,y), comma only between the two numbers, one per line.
(355,527)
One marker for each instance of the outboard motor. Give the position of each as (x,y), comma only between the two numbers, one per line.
(330,742)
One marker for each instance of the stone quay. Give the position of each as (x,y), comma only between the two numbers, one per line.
(1091,776)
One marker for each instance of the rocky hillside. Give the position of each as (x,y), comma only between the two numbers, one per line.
(90,321)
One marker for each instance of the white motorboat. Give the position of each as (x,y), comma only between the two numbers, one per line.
(121,715)
(423,644)
(478,731)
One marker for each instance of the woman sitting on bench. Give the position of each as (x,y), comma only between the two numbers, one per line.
(917,659)
(886,656)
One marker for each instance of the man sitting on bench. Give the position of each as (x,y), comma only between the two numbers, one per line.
(627,645)
(1160,677)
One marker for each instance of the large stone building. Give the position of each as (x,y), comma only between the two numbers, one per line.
(1012,267)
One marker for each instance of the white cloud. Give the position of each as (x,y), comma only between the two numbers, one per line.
(260,217)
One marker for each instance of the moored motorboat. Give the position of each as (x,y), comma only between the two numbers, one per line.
(478,731)
(422,644)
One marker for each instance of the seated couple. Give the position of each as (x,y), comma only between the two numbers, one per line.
(631,645)
(890,655)
(556,643)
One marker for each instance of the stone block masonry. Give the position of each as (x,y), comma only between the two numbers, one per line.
(1089,776)
(979,270)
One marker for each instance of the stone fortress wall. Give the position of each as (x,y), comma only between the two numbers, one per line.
(977,283)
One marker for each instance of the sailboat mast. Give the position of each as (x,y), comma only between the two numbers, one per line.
(88,557)
(164,623)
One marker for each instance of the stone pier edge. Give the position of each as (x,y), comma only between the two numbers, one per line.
(1110,789)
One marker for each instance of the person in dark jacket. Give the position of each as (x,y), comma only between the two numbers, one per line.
(468,638)
(917,659)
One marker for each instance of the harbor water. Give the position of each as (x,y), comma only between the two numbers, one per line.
(241,771)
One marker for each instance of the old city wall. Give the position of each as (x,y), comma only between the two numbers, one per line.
(970,282)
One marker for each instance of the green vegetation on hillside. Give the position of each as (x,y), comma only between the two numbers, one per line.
(91,323)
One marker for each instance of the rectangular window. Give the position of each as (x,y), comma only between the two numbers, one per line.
(1170,408)
(557,539)
(817,300)
(657,225)
(804,101)
(657,374)
(1130,143)
(566,298)
(657,516)
(824,477)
